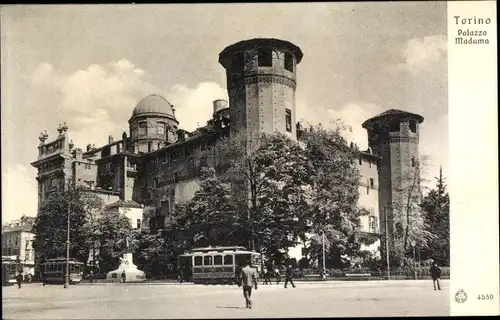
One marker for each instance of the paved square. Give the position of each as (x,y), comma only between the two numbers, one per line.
(322,299)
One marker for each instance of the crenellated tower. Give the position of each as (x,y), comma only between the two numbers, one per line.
(261,82)
(394,136)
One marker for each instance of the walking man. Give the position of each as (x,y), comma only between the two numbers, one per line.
(267,275)
(19,280)
(289,276)
(436,275)
(277,274)
(248,276)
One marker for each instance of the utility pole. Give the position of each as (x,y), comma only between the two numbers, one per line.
(387,244)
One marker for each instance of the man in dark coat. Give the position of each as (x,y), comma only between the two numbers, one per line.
(436,275)
(19,280)
(248,276)
(289,276)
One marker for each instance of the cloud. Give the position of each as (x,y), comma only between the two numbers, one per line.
(423,53)
(194,105)
(19,192)
(96,101)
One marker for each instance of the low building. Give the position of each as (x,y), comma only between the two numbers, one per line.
(17,242)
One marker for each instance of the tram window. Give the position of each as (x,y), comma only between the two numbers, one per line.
(198,261)
(207,260)
(228,260)
(217,260)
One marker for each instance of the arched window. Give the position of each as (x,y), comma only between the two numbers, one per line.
(289,61)
(394,126)
(143,128)
(265,58)
(413,126)
(160,129)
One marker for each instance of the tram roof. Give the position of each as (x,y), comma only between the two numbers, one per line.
(56,260)
(201,253)
(206,249)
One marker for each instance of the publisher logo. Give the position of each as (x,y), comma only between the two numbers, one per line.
(460,296)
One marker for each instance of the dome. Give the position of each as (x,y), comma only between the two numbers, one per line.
(154,104)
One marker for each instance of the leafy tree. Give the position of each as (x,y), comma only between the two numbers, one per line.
(436,205)
(50,226)
(112,229)
(207,218)
(333,207)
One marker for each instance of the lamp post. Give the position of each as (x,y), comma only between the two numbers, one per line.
(324,262)
(413,244)
(66,278)
(387,244)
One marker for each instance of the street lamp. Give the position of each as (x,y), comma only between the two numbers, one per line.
(66,278)
(413,244)
(324,263)
(387,243)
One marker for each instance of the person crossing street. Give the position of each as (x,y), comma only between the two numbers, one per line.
(289,276)
(248,276)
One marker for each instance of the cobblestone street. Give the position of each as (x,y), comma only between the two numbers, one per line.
(321,299)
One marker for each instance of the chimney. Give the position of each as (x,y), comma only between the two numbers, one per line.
(110,139)
(89,147)
(220,104)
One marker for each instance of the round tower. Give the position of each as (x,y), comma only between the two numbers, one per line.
(394,136)
(261,82)
(153,123)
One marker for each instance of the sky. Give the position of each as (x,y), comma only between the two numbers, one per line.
(89,65)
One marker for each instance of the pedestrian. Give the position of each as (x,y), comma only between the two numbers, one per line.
(267,275)
(91,276)
(436,275)
(289,276)
(248,276)
(277,274)
(19,279)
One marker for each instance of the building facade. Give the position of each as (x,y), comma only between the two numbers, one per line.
(157,164)
(17,243)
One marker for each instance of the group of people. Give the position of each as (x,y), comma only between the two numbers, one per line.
(248,278)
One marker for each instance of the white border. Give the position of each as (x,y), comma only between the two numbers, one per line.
(473,177)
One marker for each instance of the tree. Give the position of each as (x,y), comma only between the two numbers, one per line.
(50,226)
(112,229)
(333,207)
(436,205)
(409,221)
(210,218)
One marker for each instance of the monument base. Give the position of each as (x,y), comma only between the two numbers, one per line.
(127,271)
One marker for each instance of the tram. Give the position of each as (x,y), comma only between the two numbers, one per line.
(10,267)
(216,265)
(54,270)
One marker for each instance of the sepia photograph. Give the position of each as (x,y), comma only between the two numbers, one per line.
(248,160)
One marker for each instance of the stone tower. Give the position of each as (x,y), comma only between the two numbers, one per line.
(394,136)
(261,82)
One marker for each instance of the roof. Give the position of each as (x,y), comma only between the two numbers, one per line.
(393,113)
(154,104)
(258,42)
(24,227)
(124,203)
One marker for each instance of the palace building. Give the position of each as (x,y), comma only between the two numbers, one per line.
(157,163)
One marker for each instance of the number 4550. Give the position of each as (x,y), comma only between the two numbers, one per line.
(485,297)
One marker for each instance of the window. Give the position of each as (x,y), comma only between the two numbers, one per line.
(413,126)
(288,61)
(160,129)
(138,223)
(372,184)
(207,260)
(265,58)
(373,224)
(288,120)
(198,261)
(238,62)
(394,126)
(217,260)
(413,162)
(360,161)
(143,129)
(228,260)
